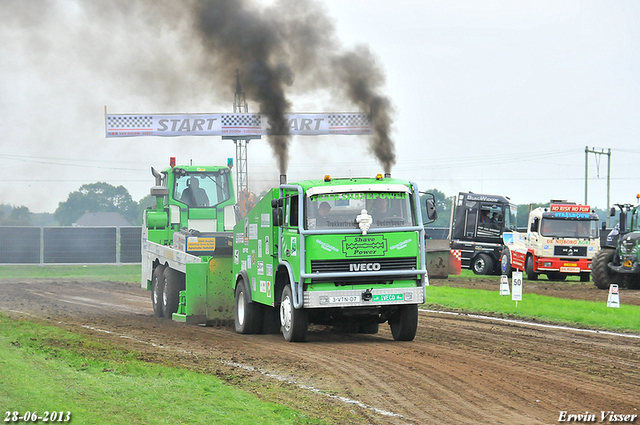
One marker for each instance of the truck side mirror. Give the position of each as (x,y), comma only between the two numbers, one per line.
(276,214)
(612,212)
(432,214)
(430,205)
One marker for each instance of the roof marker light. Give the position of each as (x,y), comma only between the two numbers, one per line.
(327,178)
(172,161)
(378,176)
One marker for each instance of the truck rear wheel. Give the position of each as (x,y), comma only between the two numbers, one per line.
(248,318)
(482,264)
(404,323)
(531,275)
(601,274)
(157,287)
(295,322)
(173,284)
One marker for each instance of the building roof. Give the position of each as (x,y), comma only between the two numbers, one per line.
(102,219)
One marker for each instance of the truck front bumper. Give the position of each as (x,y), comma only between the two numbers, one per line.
(628,265)
(364,298)
(579,265)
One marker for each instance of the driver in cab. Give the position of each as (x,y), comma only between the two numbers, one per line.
(380,208)
(194,195)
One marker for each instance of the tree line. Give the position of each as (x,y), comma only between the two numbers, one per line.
(89,198)
(103,197)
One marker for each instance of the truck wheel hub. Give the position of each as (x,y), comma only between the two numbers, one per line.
(286,313)
(241,308)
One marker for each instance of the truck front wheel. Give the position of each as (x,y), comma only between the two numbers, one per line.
(295,322)
(157,286)
(404,323)
(505,262)
(248,315)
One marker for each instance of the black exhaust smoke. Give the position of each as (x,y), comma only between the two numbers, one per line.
(272,46)
(292,38)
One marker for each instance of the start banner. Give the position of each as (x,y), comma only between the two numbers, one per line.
(131,125)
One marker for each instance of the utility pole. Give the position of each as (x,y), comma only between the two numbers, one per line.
(602,151)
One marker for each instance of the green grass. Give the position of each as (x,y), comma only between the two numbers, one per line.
(468,274)
(558,310)
(48,369)
(116,273)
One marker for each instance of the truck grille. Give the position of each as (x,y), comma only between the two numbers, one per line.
(570,251)
(366,265)
(379,264)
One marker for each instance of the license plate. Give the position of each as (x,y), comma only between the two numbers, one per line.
(388,297)
(570,269)
(349,299)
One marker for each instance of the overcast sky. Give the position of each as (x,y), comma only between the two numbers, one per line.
(493,97)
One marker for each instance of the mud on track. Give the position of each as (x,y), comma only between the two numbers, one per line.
(458,370)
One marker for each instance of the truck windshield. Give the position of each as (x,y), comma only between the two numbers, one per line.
(635,225)
(202,189)
(562,228)
(511,217)
(336,211)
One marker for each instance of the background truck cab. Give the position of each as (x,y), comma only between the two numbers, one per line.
(479,222)
(561,240)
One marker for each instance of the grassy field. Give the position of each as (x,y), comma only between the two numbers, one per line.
(46,369)
(121,273)
(551,309)
(468,274)
(578,313)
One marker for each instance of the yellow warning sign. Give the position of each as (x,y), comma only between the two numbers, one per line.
(201,244)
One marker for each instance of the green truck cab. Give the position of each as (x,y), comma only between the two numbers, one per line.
(186,243)
(348,253)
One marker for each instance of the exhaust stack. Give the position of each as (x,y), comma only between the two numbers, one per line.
(387,175)
(283,179)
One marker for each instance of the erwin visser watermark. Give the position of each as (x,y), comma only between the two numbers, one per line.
(604,416)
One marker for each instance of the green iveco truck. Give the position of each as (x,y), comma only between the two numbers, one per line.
(348,253)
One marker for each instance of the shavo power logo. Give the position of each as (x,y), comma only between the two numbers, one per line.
(364,246)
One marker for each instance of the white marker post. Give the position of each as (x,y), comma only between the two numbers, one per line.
(614,296)
(504,285)
(516,282)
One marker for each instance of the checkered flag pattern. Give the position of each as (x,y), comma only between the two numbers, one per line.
(241,120)
(129,122)
(457,253)
(349,120)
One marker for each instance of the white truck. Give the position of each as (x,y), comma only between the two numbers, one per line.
(561,240)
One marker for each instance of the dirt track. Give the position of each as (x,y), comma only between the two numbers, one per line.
(458,370)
